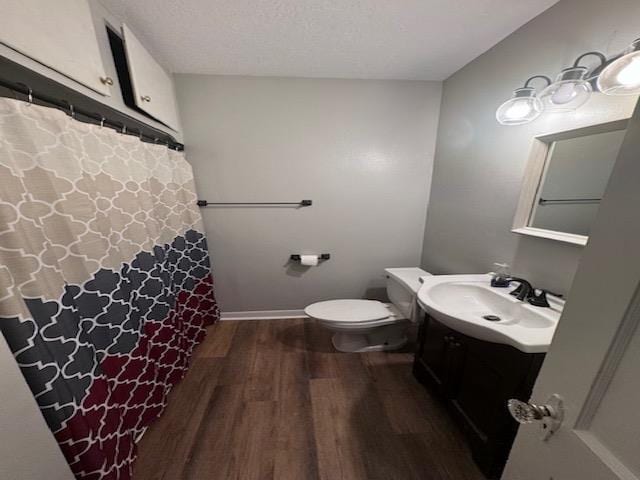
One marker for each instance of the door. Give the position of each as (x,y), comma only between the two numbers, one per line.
(58,34)
(594,360)
(152,86)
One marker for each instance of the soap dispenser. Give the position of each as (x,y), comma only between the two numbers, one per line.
(501,278)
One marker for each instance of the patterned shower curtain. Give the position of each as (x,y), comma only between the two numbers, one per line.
(105,285)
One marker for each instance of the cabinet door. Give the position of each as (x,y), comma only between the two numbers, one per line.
(58,34)
(152,86)
(456,359)
(434,353)
(492,374)
(481,396)
(488,377)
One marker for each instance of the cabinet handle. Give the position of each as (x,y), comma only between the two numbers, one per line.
(146,98)
(106,81)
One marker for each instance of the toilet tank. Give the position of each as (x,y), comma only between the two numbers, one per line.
(402,287)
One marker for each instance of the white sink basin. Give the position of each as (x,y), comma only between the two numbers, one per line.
(462,301)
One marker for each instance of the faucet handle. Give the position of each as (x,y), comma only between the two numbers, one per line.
(540,299)
(517,291)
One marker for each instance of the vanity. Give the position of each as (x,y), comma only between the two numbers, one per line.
(479,347)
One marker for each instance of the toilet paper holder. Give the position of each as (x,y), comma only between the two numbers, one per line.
(296,257)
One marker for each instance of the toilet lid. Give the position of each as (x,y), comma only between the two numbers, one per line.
(348,310)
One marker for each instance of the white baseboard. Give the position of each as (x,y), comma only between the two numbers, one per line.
(263,315)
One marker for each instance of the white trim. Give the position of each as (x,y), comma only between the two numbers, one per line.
(263,315)
(553,235)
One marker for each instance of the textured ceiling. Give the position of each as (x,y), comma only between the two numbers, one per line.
(399,39)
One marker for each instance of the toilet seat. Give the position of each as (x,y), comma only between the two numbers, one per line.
(353,312)
(361,325)
(370,325)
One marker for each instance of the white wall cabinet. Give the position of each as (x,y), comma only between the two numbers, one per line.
(152,87)
(60,35)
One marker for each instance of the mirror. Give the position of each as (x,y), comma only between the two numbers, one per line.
(566,178)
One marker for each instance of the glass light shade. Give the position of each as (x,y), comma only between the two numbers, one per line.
(570,91)
(523,108)
(622,76)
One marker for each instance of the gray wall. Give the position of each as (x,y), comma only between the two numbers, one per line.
(361,150)
(28,450)
(480,164)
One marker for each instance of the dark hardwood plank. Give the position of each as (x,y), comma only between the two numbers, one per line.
(219,340)
(351,426)
(212,453)
(291,335)
(338,456)
(274,400)
(237,364)
(168,443)
(262,377)
(430,459)
(296,456)
(320,352)
(251,444)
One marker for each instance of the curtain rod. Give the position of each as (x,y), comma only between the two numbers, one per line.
(70,109)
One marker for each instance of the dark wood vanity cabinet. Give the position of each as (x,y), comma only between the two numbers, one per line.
(476,379)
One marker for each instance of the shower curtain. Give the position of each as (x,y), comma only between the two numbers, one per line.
(105,285)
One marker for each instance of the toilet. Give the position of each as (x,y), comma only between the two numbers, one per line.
(370,325)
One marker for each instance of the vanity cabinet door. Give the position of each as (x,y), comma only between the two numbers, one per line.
(152,87)
(439,357)
(60,35)
(476,378)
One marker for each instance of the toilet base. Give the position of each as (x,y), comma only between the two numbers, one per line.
(389,337)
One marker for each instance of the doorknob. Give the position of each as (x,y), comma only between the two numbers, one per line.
(550,415)
(146,98)
(525,413)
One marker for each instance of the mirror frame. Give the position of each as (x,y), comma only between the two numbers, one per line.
(534,176)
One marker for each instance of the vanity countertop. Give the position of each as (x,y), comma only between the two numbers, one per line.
(469,305)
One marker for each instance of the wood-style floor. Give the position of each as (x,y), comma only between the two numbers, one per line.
(274,400)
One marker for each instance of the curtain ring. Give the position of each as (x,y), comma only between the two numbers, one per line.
(29,92)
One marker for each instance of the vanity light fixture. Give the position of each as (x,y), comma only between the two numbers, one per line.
(572,87)
(523,107)
(622,75)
